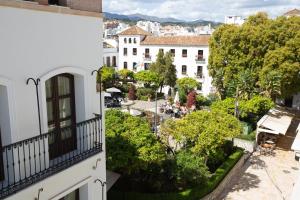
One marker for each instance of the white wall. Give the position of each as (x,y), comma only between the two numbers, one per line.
(110,52)
(41,45)
(190,61)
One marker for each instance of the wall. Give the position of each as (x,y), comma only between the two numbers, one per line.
(247,145)
(41,45)
(110,52)
(190,61)
(234,172)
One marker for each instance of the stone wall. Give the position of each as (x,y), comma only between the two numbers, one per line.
(235,171)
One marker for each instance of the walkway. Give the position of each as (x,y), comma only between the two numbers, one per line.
(265,178)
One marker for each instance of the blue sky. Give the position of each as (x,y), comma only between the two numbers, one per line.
(200,9)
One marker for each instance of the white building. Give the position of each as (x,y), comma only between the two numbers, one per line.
(110,53)
(60,156)
(235,20)
(138,48)
(151,27)
(291,13)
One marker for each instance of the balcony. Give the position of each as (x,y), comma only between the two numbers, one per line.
(199,59)
(32,160)
(199,76)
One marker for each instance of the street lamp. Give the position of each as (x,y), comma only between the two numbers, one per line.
(155,117)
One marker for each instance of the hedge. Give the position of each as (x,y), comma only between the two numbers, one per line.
(190,194)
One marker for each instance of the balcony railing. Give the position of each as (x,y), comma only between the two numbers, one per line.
(200,59)
(147,57)
(29,161)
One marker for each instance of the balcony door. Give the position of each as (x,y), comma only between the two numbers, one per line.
(61,114)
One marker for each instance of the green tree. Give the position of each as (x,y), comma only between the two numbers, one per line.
(163,66)
(242,57)
(131,146)
(108,76)
(147,77)
(187,84)
(125,74)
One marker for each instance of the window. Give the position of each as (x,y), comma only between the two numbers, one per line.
(134,40)
(183,69)
(114,61)
(125,40)
(200,71)
(129,40)
(161,50)
(200,55)
(147,53)
(134,51)
(125,51)
(172,51)
(134,66)
(125,65)
(199,87)
(108,61)
(60,99)
(146,66)
(184,53)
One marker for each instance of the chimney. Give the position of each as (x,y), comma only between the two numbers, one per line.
(43,2)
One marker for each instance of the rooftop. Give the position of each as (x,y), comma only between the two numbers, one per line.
(135,30)
(292,12)
(201,40)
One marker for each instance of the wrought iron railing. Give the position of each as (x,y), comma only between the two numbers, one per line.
(199,59)
(34,159)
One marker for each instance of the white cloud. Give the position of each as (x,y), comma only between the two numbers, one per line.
(200,9)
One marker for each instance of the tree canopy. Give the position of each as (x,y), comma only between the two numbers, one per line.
(187,84)
(261,56)
(125,74)
(163,66)
(108,76)
(147,77)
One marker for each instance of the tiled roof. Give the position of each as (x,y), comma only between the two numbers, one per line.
(293,12)
(201,40)
(134,30)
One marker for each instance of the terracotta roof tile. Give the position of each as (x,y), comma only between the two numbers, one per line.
(201,40)
(134,30)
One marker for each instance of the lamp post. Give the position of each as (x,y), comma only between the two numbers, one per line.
(155,117)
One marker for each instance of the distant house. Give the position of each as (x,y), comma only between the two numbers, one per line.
(138,49)
(294,12)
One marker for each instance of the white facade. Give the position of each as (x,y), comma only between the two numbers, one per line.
(140,62)
(233,19)
(151,27)
(110,53)
(44,42)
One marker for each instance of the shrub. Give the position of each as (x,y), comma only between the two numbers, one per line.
(202,101)
(131,93)
(145,92)
(190,169)
(182,96)
(191,99)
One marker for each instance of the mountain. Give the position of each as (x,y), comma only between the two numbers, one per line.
(139,17)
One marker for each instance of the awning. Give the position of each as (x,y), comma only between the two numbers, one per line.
(111,179)
(113,90)
(275,122)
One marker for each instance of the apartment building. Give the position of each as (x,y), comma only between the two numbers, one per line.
(52,132)
(110,52)
(138,49)
(235,20)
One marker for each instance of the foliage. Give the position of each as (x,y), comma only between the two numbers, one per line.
(146,93)
(108,75)
(254,108)
(187,84)
(131,92)
(261,56)
(163,66)
(196,192)
(190,169)
(148,78)
(125,74)
(204,132)
(131,146)
(226,105)
(249,137)
(191,99)
(182,96)
(202,101)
